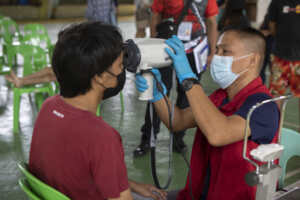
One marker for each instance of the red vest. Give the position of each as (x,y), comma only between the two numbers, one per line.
(228,168)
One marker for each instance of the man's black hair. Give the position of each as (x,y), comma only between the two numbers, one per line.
(83,51)
(246,30)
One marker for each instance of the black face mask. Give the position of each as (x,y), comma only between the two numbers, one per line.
(110,92)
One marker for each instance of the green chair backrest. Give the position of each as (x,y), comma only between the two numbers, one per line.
(39,188)
(9,30)
(26,188)
(35,39)
(35,29)
(290,139)
(34,58)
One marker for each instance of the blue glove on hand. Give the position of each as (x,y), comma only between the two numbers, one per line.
(180,61)
(142,86)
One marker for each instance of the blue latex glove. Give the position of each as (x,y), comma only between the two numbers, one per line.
(142,86)
(180,61)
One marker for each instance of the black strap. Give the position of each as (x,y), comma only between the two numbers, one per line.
(182,14)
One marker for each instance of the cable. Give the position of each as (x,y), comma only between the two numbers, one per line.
(153,140)
(153,143)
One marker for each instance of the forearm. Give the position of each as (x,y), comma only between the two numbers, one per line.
(182,118)
(219,129)
(43,76)
(155,19)
(212,34)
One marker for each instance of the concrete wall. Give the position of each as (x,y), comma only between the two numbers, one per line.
(64,9)
(69,11)
(55,9)
(20,12)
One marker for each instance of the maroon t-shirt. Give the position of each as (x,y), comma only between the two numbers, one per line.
(77,152)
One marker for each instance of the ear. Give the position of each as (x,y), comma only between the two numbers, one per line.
(98,79)
(255,59)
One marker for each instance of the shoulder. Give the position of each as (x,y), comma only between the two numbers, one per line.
(258,98)
(103,131)
(265,119)
(269,110)
(49,102)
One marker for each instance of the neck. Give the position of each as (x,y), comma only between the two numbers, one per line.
(88,102)
(238,85)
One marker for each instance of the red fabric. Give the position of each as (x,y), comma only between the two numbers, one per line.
(77,152)
(173,8)
(228,168)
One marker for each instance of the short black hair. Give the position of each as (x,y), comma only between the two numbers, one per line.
(253,40)
(83,51)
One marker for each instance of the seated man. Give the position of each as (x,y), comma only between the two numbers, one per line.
(72,149)
(217,166)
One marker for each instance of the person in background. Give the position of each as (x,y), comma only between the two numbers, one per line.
(192,32)
(221,6)
(101,10)
(142,17)
(285,61)
(264,28)
(234,15)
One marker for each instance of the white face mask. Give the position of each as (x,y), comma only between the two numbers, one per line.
(221,70)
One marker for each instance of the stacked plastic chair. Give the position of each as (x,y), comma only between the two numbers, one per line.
(35,29)
(35,58)
(4,68)
(35,189)
(11,38)
(38,35)
(39,31)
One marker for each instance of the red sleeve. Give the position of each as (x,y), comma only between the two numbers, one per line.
(157,6)
(211,8)
(108,165)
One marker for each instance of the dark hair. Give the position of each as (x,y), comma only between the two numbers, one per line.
(234,15)
(233,18)
(83,51)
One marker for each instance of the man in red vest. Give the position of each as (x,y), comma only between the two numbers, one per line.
(217,167)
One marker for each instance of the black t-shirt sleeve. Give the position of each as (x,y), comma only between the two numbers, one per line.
(273,11)
(265,119)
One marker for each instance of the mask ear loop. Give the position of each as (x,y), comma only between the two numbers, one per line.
(101,84)
(112,74)
(242,57)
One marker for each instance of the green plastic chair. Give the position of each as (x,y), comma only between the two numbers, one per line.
(35,39)
(35,58)
(4,69)
(35,29)
(9,31)
(39,40)
(35,188)
(26,188)
(290,139)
